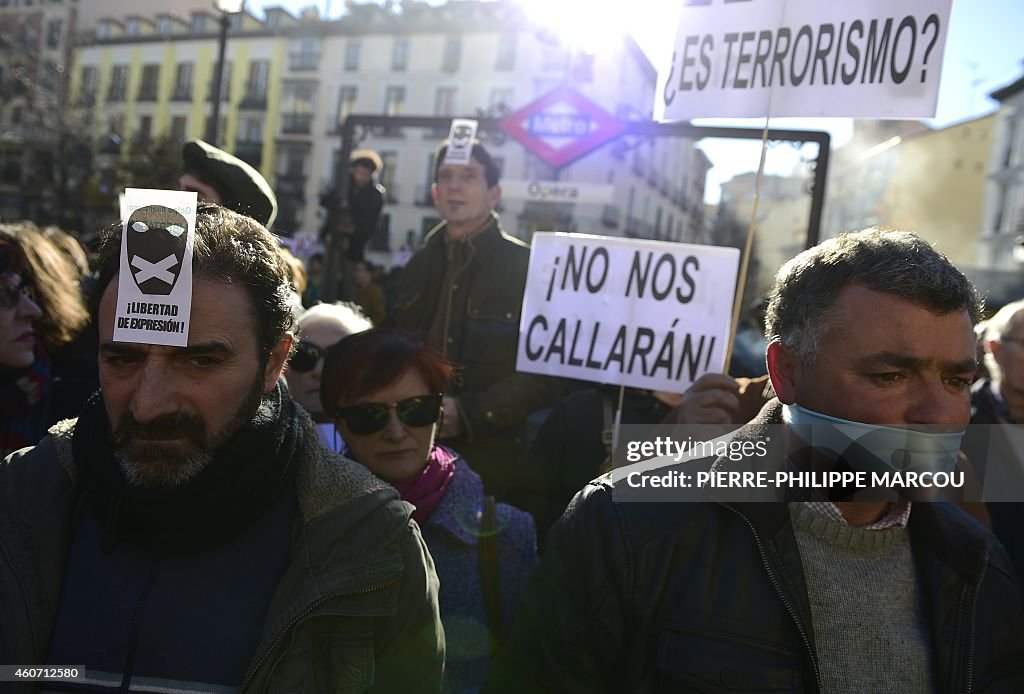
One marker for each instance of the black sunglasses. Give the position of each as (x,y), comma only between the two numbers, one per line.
(10,294)
(306,356)
(371,417)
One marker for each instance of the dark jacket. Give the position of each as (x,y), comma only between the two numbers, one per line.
(701,596)
(355,611)
(452,534)
(364,208)
(481,309)
(991,449)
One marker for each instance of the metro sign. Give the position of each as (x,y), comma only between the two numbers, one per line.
(561,126)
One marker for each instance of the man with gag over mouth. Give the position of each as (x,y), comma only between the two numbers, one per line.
(871,340)
(189,531)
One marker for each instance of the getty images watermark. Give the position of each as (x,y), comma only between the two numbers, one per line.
(692,462)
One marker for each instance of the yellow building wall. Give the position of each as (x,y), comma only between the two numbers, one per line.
(161,123)
(275,86)
(202,74)
(938,187)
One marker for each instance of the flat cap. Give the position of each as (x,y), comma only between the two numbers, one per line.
(242,187)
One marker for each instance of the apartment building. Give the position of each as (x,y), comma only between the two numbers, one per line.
(1001,245)
(34,54)
(290,82)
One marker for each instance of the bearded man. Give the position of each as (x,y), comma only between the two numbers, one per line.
(189,532)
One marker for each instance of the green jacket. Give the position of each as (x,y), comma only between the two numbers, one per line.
(356,610)
(481,307)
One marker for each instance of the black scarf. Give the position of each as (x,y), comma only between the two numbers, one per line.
(244,479)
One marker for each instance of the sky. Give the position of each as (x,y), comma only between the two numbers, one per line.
(983,51)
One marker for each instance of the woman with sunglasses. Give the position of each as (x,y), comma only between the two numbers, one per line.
(41,311)
(384,389)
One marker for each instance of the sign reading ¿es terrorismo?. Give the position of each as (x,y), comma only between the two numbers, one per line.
(647,314)
(758,58)
(154,288)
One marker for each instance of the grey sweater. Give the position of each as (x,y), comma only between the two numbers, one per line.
(870,630)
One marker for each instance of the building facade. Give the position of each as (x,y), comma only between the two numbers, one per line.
(292,81)
(928,181)
(1001,245)
(34,55)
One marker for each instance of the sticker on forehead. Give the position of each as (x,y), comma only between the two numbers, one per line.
(460,141)
(154,289)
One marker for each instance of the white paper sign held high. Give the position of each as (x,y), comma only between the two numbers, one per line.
(759,58)
(648,314)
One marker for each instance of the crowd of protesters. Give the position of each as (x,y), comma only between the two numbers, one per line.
(351,496)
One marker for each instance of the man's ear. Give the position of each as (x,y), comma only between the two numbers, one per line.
(785,370)
(433,192)
(275,363)
(494,195)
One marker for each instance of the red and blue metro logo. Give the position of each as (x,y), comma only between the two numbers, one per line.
(561,126)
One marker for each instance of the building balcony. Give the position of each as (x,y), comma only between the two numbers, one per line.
(250,151)
(181,94)
(297,123)
(225,96)
(147,92)
(304,62)
(290,185)
(254,100)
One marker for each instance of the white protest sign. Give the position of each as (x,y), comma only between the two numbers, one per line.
(558,191)
(460,141)
(759,58)
(648,314)
(154,289)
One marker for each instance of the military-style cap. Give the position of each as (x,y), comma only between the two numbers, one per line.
(242,187)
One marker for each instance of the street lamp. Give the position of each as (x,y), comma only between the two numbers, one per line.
(227,8)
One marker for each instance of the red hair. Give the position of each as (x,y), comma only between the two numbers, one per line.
(368,361)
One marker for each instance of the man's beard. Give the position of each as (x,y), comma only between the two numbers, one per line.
(146,461)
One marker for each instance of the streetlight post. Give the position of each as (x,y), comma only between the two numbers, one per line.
(227,8)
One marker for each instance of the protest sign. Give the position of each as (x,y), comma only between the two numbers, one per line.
(154,289)
(648,314)
(760,58)
(460,141)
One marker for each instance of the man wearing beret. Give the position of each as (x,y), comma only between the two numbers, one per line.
(227,180)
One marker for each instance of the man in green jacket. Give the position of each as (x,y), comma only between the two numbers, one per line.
(463,293)
(189,532)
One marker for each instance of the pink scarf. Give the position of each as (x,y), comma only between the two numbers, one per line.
(427,489)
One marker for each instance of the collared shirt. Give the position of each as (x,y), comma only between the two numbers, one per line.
(897,516)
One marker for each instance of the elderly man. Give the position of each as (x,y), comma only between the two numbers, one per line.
(869,333)
(190,533)
(321,327)
(463,292)
(995,440)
